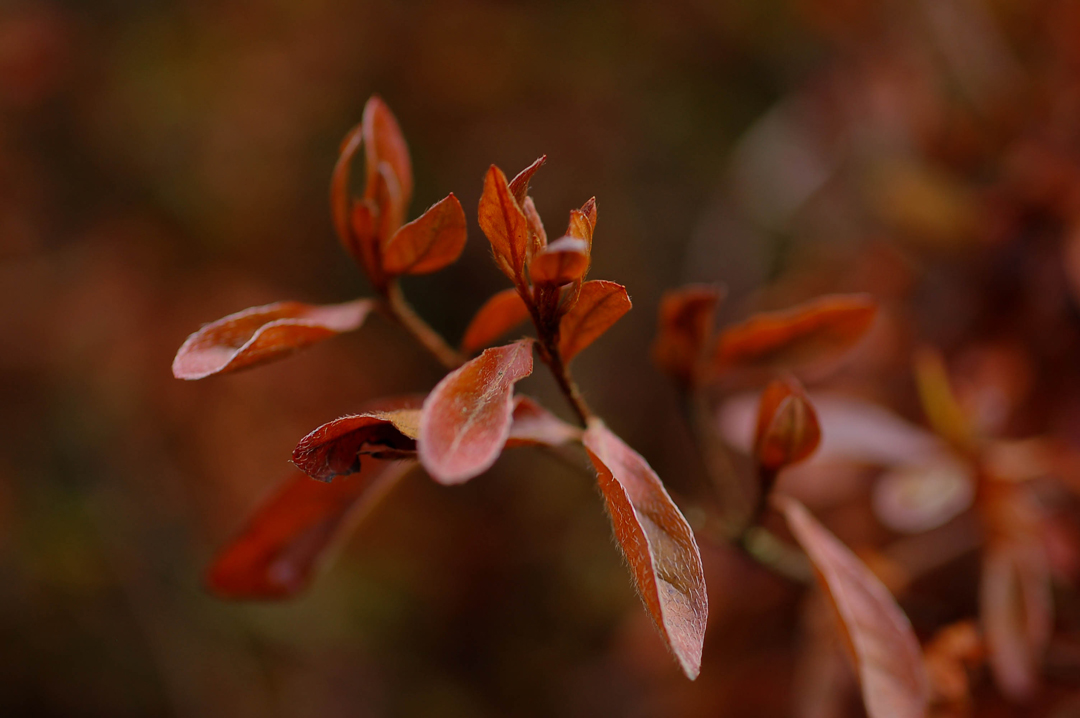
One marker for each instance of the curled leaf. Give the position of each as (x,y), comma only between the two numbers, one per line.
(292,534)
(533,425)
(501,313)
(466,419)
(787,426)
(519,186)
(385,143)
(335,448)
(685,328)
(537,235)
(600,304)
(657,542)
(262,334)
(340,199)
(815,331)
(583,221)
(878,635)
(561,262)
(504,224)
(428,243)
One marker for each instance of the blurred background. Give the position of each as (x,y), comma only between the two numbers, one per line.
(166,162)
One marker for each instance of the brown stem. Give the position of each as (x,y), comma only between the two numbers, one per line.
(400,309)
(561,372)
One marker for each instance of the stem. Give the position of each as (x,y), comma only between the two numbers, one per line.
(400,309)
(561,372)
(736,504)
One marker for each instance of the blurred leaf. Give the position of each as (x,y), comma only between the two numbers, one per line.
(341,205)
(262,334)
(943,411)
(428,243)
(878,635)
(533,425)
(818,330)
(466,418)
(657,542)
(684,331)
(504,223)
(954,650)
(918,497)
(277,553)
(787,426)
(385,143)
(599,305)
(335,448)
(501,313)
(561,262)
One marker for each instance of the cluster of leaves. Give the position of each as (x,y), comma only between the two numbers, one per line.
(462,426)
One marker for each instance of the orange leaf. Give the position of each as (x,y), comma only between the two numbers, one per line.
(657,542)
(536,226)
(501,313)
(385,191)
(821,329)
(685,328)
(340,199)
(886,653)
(466,419)
(335,448)
(385,143)
(533,425)
(561,262)
(943,411)
(428,243)
(519,186)
(787,425)
(292,534)
(599,305)
(505,225)
(262,334)
(583,221)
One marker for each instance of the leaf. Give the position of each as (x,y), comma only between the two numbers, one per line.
(561,262)
(943,411)
(599,305)
(291,535)
(583,222)
(877,633)
(428,243)
(385,143)
(537,235)
(685,328)
(917,497)
(657,542)
(262,334)
(533,425)
(950,654)
(385,191)
(787,426)
(819,330)
(340,198)
(335,448)
(504,224)
(519,186)
(501,313)
(466,419)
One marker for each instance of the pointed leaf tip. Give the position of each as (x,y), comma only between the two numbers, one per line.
(263,334)
(466,419)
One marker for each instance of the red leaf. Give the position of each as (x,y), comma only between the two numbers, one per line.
(504,223)
(466,419)
(537,235)
(428,243)
(499,315)
(385,191)
(533,425)
(385,143)
(335,448)
(340,198)
(583,222)
(519,186)
(262,334)
(685,328)
(561,262)
(657,542)
(878,635)
(291,535)
(599,305)
(815,331)
(787,426)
